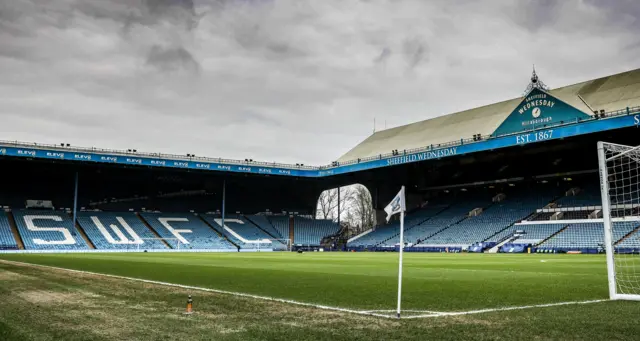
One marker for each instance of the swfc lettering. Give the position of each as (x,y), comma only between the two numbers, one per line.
(636,120)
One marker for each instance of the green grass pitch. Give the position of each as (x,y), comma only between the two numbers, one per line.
(368,281)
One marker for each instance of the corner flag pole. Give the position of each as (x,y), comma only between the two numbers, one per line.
(400,262)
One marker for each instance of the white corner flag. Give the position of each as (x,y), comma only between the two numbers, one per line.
(397,205)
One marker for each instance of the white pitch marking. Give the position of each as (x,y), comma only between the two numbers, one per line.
(403,310)
(318,306)
(507,308)
(232,293)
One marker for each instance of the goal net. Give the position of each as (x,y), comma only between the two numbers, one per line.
(620,186)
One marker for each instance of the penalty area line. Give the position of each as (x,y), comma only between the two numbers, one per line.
(217,291)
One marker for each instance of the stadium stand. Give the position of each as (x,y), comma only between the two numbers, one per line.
(465,154)
(631,241)
(264,223)
(243,232)
(541,216)
(186,231)
(311,231)
(581,236)
(124,230)
(382,235)
(532,234)
(7,241)
(48,230)
(589,195)
(281,225)
(495,218)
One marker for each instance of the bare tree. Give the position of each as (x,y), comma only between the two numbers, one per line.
(362,208)
(328,203)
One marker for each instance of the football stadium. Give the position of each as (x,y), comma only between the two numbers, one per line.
(517,224)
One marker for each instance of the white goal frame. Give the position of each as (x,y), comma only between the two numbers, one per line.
(609,159)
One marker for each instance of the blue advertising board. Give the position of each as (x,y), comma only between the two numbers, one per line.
(524,138)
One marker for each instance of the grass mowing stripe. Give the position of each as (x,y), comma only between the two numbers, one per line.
(363,281)
(239,294)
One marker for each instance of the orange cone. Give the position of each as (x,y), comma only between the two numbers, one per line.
(189,306)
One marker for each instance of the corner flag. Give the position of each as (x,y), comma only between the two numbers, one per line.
(396,205)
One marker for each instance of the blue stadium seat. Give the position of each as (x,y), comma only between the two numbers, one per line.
(186,231)
(589,195)
(7,240)
(311,231)
(531,233)
(587,236)
(48,230)
(243,232)
(264,223)
(630,242)
(281,224)
(108,230)
(492,222)
(387,235)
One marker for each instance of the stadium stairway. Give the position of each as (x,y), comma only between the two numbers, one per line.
(186,230)
(282,225)
(155,233)
(263,224)
(497,247)
(7,239)
(118,231)
(242,229)
(462,218)
(222,235)
(627,235)
(555,234)
(267,231)
(508,238)
(420,222)
(82,233)
(14,230)
(48,230)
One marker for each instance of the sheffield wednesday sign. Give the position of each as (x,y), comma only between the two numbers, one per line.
(537,110)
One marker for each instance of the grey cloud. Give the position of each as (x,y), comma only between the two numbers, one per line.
(384,55)
(536,14)
(287,80)
(172,59)
(416,51)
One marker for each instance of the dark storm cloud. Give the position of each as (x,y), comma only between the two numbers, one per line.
(286,80)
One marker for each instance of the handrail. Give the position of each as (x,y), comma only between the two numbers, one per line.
(335,164)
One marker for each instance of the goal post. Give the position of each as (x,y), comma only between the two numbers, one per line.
(619,168)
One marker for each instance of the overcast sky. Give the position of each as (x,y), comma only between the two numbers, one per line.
(284,80)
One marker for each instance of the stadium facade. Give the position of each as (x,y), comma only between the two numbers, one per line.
(519,170)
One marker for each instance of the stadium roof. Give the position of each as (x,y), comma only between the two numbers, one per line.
(607,93)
